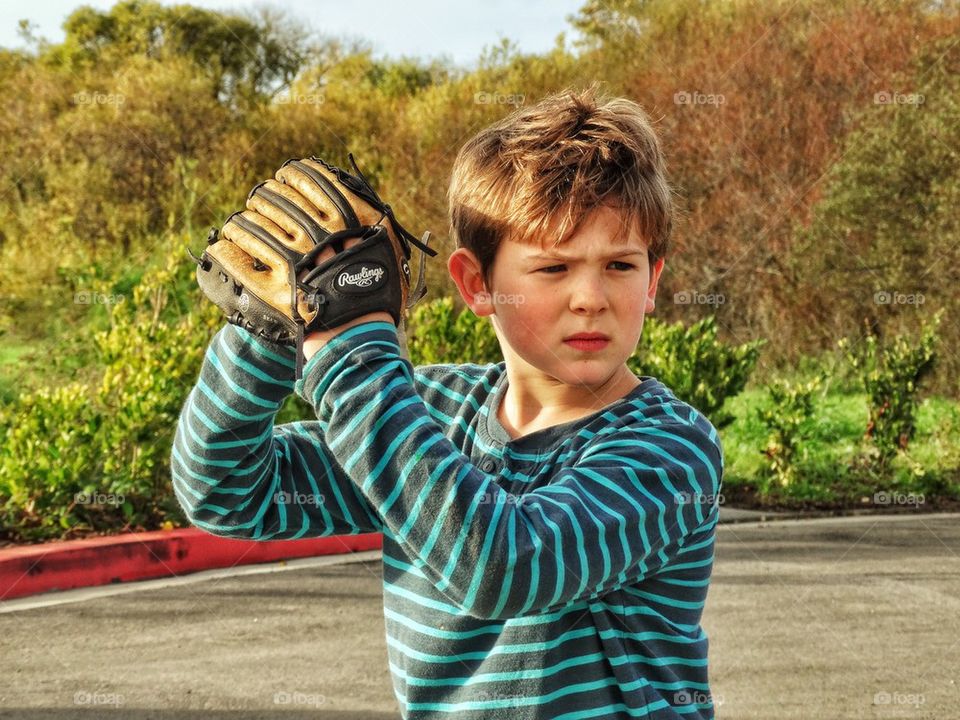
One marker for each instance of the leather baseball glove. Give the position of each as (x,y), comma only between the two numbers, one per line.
(261,267)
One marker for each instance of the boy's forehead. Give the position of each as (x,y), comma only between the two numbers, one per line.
(615,233)
(576,245)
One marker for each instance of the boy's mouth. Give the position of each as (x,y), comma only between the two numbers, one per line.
(587,341)
(587,336)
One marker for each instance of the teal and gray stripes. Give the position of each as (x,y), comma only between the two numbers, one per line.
(569,582)
(237,475)
(497,555)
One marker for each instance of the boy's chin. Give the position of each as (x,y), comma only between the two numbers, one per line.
(591,374)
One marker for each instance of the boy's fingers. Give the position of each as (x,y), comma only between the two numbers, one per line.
(325,255)
(328,252)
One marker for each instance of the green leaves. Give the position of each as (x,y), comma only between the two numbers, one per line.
(95,455)
(891,373)
(48,450)
(436,334)
(787,419)
(700,369)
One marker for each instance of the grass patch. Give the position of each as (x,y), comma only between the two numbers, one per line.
(831,470)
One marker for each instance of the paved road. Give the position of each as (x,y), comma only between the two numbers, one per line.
(816,619)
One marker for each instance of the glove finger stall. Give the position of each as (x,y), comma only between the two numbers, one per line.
(318,184)
(248,249)
(305,224)
(241,305)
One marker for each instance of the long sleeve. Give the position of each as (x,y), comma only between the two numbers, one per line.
(237,474)
(615,515)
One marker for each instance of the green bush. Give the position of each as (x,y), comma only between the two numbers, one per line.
(435,334)
(787,419)
(692,362)
(48,455)
(95,455)
(891,374)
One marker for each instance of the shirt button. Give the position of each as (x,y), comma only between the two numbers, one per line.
(488,466)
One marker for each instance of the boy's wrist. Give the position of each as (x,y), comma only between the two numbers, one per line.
(315,341)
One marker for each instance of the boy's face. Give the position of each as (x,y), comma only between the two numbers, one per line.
(598,281)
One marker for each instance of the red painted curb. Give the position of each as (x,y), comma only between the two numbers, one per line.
(140,556)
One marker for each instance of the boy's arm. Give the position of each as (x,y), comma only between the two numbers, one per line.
(236,474)
(618,515)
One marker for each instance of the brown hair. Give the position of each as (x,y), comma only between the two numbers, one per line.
(541,170)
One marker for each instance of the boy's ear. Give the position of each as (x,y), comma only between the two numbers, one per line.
(655,271)
(466,273)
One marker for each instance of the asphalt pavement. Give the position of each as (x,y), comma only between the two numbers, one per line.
(822,619)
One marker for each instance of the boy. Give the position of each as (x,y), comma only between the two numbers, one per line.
(548,521)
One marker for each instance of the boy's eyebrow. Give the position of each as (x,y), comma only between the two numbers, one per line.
(558,256)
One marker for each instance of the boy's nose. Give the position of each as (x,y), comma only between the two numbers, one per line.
(589,294)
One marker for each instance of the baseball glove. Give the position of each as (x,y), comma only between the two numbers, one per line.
(261,267)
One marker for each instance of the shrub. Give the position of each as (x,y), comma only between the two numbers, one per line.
(787,418)
(48,455)
(435,334)
(692,362)
(110,437)
(891,374)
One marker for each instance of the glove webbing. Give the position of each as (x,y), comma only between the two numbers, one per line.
(358,183)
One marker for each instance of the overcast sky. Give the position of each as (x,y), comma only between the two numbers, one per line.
(456,29)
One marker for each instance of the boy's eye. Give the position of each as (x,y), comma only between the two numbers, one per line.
(552,269)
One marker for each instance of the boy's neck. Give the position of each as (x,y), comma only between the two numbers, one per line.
(531,404)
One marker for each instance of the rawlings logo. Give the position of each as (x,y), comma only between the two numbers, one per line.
(364,278)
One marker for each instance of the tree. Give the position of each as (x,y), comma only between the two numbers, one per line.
(884,240)
(247,58)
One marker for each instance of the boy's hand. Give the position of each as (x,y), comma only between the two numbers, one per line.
(313,342)
(261,268)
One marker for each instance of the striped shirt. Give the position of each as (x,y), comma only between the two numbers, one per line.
(557,575)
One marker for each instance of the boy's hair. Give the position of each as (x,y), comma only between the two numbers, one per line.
(538,172)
